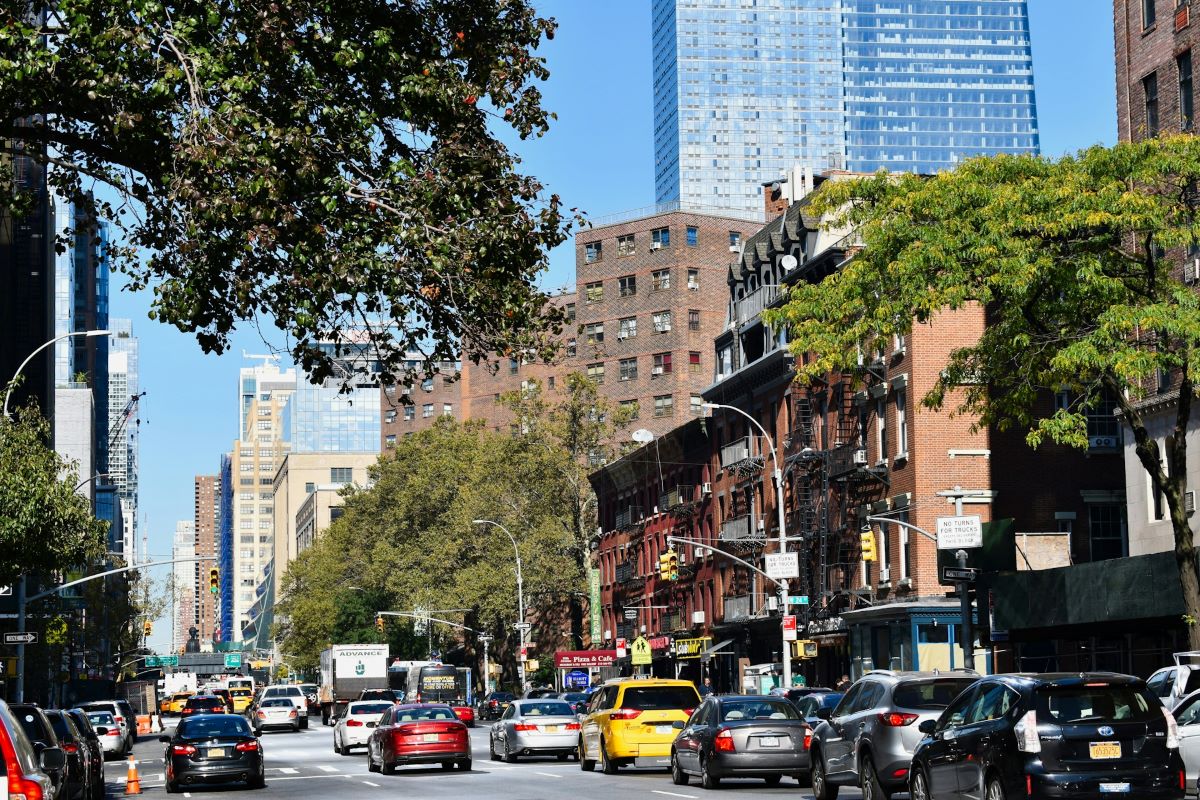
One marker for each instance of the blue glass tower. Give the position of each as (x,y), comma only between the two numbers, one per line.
(746,89)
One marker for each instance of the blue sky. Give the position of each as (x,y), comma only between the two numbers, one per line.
(599,157)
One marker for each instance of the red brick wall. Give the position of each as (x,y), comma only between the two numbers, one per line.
(1140,51)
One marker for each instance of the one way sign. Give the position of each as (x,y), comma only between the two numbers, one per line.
(28,637)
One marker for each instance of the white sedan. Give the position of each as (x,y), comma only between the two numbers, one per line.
(353,728)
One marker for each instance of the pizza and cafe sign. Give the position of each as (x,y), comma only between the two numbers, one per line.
(585,659)
(590,659)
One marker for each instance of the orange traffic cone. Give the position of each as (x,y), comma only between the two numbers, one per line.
(133,784)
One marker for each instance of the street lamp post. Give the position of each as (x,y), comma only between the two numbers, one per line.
(785,652)
(522,625)
(40,348)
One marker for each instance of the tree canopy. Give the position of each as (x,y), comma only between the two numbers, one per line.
(331,166)
(1077,263)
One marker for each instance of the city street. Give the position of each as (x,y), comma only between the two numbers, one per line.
(304,765)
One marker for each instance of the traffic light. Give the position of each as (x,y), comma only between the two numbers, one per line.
(214,580)
(379,623)
(664,567)
(672,565)
(804,648)
(868,545)
(147,627)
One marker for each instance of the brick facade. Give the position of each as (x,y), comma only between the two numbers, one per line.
(1152,51)
(207,505)
(404,411)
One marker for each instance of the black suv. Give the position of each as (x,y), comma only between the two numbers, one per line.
(1050,736)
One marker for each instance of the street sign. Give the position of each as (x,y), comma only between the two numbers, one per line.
(5,591)
(781,566)
(959,574)
(620,648)
(639,652)
(959,533)
(232,661)
(168,661)
(798,600)
(522,626)
(29,637)
(789,627)
(631,613)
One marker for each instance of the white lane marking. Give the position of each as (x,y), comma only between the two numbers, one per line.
(310,777)
(159,777)
(187,794)
(287,770)
(326,768)
(548,774)
(675,794)
(368,783)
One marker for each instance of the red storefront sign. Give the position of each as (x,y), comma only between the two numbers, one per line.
(572,659)
(660,643)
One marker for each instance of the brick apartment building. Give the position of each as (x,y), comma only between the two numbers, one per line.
(404,410)
(207,507)
(853,446)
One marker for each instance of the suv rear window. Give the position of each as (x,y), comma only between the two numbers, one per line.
(1064,704)
(660,698)
(1193,681)
(932,694)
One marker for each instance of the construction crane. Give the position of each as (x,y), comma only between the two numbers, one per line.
(118,427)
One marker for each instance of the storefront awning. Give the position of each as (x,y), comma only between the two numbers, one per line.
(710,651)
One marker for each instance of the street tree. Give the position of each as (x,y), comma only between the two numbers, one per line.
(1076,263)
(44,524)
(333,168)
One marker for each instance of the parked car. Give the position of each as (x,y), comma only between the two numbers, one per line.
(354,727)
(1187,717)
(123,713)
(741,736)
(37,728)
(419,733)
(629,722)
(276,712)
(867,740)
(91,740)
(535,728)
(291,692)
(1172,684)
(810,705)
(27,770)
(212,748)
(494,703)
(108,731)
(1050,736)
(203,704)
(85,772)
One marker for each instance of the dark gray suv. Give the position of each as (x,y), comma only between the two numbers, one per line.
(868,739)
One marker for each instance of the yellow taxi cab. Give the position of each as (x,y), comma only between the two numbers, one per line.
(628,722)
(241,699)
(164,705)
(178,701)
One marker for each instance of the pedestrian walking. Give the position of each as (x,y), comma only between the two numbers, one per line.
(843,684)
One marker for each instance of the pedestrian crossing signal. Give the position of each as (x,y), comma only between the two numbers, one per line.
(214,580)
(804,648)
(868,545)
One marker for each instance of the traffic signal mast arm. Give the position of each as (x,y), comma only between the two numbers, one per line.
(381,614)
(69,584)
(718,551)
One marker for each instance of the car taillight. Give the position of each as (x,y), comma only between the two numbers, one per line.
(808,739)
(247,747)
(492,703)
(524,726)
(353,723)
(1182,781)
(897,719)
(70,747)
(261,715)
(113,732)
(724,741)
(1172,730)
(688,711)
(183,749)
(625,713)
(293,713)
(1027,733)
(120,720)
(21,789)
(572,726)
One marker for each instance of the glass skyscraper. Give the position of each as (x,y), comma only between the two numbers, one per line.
(746,89)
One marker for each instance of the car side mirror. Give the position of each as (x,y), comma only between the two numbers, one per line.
(678,725)
(824,713)
(52,759)
(928,726)
(166,739)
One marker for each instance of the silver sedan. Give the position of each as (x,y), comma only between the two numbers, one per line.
(534,727)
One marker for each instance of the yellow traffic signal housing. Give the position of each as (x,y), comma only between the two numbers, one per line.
(379,623)
(868,545)
(664,567)
(672,565)
(147,627)
(804,648)
(214,580)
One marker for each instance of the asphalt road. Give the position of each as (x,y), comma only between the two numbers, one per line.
(304,765)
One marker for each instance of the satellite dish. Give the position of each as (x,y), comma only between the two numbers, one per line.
(788,262)
(642,436)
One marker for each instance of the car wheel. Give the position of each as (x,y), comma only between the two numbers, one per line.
(995,790)
(371,765)
(259,781)
(385,767)
(820,785)
(707,779)
(773,780)
(492,748)
(172,787)
(304,723)
(872,789)
(258,732)
(918,787)
(607,765)
(465,765)
(509,756)
(586,764)
(678,776)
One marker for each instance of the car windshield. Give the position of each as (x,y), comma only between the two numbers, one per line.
(546,709)
(574,697)
(283,691)
(308,688)
(277,702)
(101,720)
(421,714)
(59,723)
(239,692)
(31,724)
(932,694)
(733,710)
(370,709)
(1193,681)
(654,698)
(212,727)
(503,697)
(1101,703)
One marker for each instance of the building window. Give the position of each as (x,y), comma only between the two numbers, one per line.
(1106,530)
(694,361)
(1150,91)
(662,321)
(664,405)
(693,236)
(389,441)
(1147,13)
(1184,64)
(427,410)
(693,280)
(660,280)
(593,292)
(513,366)
(660,237)
(628,369)
(901,423)
(592,251)
(627,328)
(447,409)
(341,474)
(410,413)
(595,372)
(390,416)
(1103,429)
(735,238)
(906,554)
(693,319)
(593,332)
(881,427)
(550,381)
(697,405)
(625,245)
(571,348)
(662,363)
(264,426)
(631,407)
(427,385)
(570,309)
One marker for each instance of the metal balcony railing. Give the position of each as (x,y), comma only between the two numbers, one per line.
(676,496)
(672,622)
(737,607)
(752,304)
(735,452)
(736,529)
(629,516)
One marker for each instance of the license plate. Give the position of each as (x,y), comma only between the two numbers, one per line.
(768,741)
(1114,788)
(216,752)
(1100,750)
(663,730)
(431,737)
(550,728)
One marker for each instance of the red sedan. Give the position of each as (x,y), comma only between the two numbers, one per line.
(464,712)
(421,733)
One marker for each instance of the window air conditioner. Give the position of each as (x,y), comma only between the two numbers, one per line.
(1191,271)
(656,371)
(655,245)
(860,457)
(697,617)
(706,488)
(1189,502)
